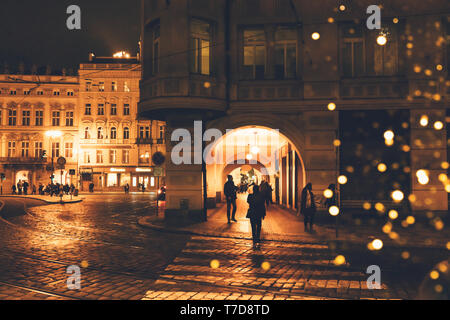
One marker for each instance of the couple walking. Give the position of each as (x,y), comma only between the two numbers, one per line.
(256,212)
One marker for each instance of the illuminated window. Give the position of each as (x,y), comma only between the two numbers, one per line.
(12,117)
(126,133)
(254,54)
(56,118)
(200,47)
(26,116)
(39,120)
(38,151)
(87,157)
(55,149)
(69,119)
(101,109)
(88,85)
(25,149)
(68,150)
(113,133)
(11,149)
(114,86)
(99,156)
(112,180)
(126,88)
(152,181)
(101,86)
(125,156)
(87,109)
(161,132)
(126,109)
(285,53)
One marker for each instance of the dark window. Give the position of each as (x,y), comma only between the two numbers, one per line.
(87,109)
(113,109)
(352,47)
(26,115)
(200,53)
(285,53)
(126,109)
(254,54)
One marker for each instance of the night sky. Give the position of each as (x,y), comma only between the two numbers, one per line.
(35,32)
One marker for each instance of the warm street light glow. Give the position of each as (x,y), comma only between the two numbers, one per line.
(377,244)
(342,179)
(53,133)
(393,214)
(215,264)
(382,167)
(424,121)
(334,211)
(249,156)
(438,125)
(422,177)
(331,106)
(382,40)
(342,7)
(389,135)
(339,260)
(397,195)
(254,150)
(121,55)
(328,193)
(315,36)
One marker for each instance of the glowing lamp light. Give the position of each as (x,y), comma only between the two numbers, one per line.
(334,211)
(382,40)
(265,266)
(215,264)
(207,84)
(315,36)
(328,193)
(393,214)
(423,121)
(342,7)
(422,177)
(254,150)
(53,134)
(389,135)
(438,125)
(331,106)
(382,167)
(249,156)
(121,55)
(339,260)
(397,195)
(395,20)
(377,244)
(342,180)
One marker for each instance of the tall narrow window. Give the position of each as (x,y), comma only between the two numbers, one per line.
(126,87)
(352,47)
(385,58)
(38,151)
(126,133)
(56,118)
(101,109)
(69,119)
(114,86)
(161,132)
(254,54)
(11,149)
(88,85)
(99,156)
(87,133)
(156,36)
(200,47)
(87,157)
(68,150)
(12,117)
(126,109)
(113,109)
(285,53)
(125,156)
(113,133)
(55,149)
(26,116)
(25,149)
(101,86)
(100,133)
(112,156)
(39,120)
(87,109)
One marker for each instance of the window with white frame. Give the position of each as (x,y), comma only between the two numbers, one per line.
(112,156)
(68,149)
(99,156)
(11,149)
(126,133)
(38,150)
(126,109)
(56,118)
(25,149)
(39,119)
(69,119)
(125,156)
(113,109)
(12,117)
(113,133)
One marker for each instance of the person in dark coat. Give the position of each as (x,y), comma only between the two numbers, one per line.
(308,207)
(256,213)
(13,188)
(229,189)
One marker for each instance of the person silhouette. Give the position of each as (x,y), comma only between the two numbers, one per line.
(256,213)
(229,189)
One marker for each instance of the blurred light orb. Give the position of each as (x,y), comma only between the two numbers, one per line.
(434,275)
(334,211)
(381,39)
(207,84)
(249,156)
(389,135)
(215,264)
(379,207)
(330,20)
(439,67)
(315,36)
(331,106)
(339,260)
(410,220)
(395,20)
(377,244)
(367,206)
(328,193)
(342,179)
(423,121)
(337,143)
(265,266)
(342,7)
(438,125)
(254,150)
(382,167)
(397,195)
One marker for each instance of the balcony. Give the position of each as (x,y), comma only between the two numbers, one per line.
(144,141)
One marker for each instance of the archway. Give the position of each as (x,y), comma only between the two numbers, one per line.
(276,157)
(22,176)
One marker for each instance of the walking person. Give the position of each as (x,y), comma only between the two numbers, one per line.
(256,213)
(13,188)
(308,207)
(229,189)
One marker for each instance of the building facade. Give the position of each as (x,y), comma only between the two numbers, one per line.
(90,120)
(303,67)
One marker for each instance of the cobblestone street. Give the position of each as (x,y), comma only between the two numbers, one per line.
(121,260)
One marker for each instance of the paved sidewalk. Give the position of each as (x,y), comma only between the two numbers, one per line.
(48,199)
(281,225)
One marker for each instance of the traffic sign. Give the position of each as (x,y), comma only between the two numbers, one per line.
(61,161)
(158,172)
(158,158)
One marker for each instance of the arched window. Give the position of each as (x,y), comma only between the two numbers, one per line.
(87,133)
(113,133)
(100,133)
(126,133)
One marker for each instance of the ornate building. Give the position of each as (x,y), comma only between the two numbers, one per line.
(90,120)
(306,68)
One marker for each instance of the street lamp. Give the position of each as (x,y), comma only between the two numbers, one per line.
(52,134)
